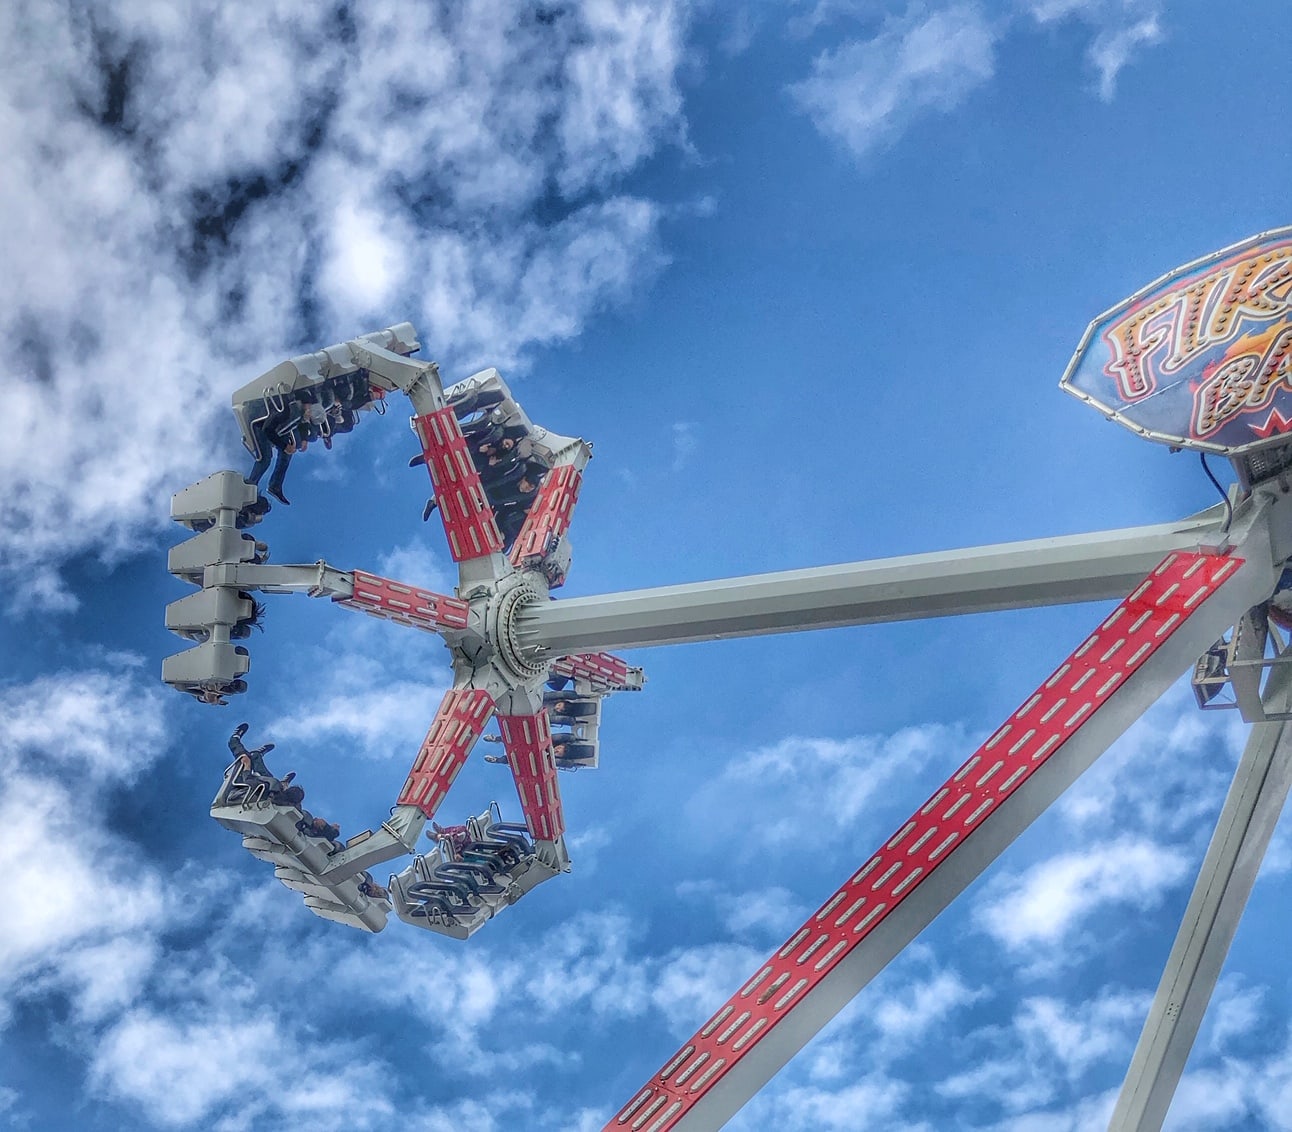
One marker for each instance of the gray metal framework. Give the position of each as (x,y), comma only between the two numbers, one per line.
(507,635)
(1015,575)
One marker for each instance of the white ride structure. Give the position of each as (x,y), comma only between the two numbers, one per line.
(1201,359)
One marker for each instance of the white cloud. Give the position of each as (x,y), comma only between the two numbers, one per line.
(907,1015)
(1122,28)
(385,720)
(873,1101)
(1079,1035)
(194,194)
(1049,900)
(421,563)
(690,984)
(395,680)
(768,913)
(865,92)
(106,724)
(239,1065)
(685,443)
(622,94)
(1113,49)
(1050,1048)
(1164,778)
(72,883)
(1233,1014)
(773,793)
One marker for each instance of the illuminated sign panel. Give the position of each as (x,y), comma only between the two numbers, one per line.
(1201,358)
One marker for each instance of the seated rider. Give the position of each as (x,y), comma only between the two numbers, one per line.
(474,400)
(567,745)
(371,889)
(321,828)
(567,710)
(250,771)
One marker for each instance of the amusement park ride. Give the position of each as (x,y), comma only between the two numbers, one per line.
(1200,359)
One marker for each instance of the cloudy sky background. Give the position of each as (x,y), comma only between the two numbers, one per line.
(807,274)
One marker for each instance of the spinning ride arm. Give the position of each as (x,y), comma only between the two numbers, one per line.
(527,739)
(468,519)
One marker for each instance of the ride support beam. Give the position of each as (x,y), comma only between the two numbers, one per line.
(459,722)
(1186,602)
(1233,859)
(419,381)
(1088,567)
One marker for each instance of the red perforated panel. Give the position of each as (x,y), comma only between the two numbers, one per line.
(1058,708)
(459,722)
(550,515)
(468,519)
(528,741)
(606,672)
(408,605)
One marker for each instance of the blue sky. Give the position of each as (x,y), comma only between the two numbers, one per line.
(807,275)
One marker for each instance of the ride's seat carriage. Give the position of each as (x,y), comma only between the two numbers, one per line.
(1201,359)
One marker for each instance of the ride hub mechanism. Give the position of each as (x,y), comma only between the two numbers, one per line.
(1200,359)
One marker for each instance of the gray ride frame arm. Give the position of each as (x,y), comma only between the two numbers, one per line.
(419,380)
(395,837)
(1224,883)
(317,579)
(1089,567)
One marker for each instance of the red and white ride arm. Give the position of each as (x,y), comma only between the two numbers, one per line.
(602,670)
(549,516)
(405,604)
(468,518)
(459,722)
(527,739)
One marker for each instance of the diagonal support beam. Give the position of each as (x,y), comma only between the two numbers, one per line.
(1103,687)
(1099,566)
(548,518)
(1225,881)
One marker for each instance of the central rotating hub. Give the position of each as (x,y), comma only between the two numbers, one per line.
(502,625)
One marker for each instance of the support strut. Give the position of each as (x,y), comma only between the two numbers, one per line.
(1099,566)
(1224,883)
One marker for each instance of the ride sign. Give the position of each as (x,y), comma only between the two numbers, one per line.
(1202,357)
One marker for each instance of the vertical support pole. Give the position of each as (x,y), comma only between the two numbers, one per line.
(1224,883)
